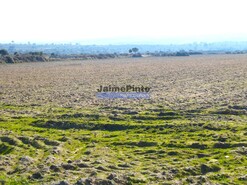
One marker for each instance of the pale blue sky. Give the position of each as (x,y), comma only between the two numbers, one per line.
(147,20)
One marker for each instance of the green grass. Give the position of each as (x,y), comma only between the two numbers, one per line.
(142,148)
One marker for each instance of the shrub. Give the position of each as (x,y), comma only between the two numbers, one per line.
(137,55)
(3,52)
(9,59)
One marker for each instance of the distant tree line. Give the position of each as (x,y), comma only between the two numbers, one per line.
(178,53)
(40,56)
(6,57)
(130,49)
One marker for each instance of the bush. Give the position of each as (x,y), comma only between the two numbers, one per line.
(182,53)
(36,53)
(3,52)
(9,60)
(137,55)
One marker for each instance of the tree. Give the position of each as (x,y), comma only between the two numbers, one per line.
(130,50)
(135,50)
(3,52)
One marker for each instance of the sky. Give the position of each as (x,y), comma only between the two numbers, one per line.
(123,21)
